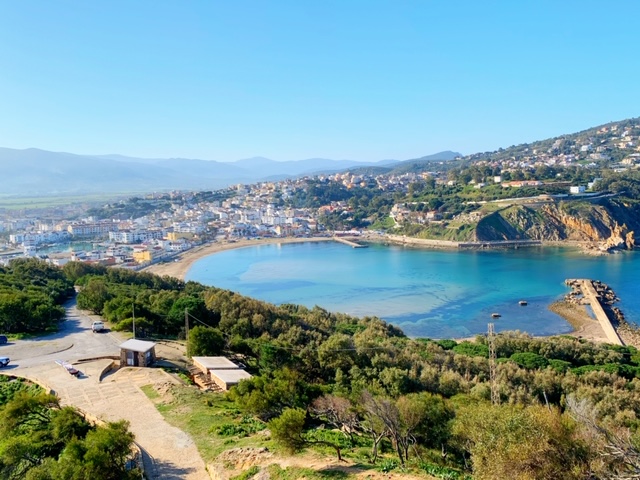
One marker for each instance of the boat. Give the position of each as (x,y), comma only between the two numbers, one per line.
(495,315)
(522,303)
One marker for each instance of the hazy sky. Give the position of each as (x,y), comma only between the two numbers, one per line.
(361,80)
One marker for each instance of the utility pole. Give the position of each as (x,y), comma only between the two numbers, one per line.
(491,336)
(186,324)
(133,311)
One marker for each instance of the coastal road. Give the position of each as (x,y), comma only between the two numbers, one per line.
(169,453)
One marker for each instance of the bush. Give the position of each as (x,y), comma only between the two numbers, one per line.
(247,426)
(445,473)
(472,349)
(447,344)
(531,361)
(625,371)
(388,464)
(559,366)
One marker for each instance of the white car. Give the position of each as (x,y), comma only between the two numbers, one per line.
(97,327)
(4,361)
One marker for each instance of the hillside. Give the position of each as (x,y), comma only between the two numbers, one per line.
(608,221)
(603,144)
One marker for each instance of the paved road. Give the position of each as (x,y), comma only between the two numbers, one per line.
(74,341)
(117,396)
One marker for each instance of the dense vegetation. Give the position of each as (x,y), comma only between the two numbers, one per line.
(567,408)
(30,295)
(40,440)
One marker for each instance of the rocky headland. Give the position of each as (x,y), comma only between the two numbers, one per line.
(600,225)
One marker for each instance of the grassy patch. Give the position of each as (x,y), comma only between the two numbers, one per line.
(213,422)
(246,475)
(150,392)
(295,473)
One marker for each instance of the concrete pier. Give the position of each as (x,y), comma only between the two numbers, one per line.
(501,244)
(592,297)
(350,242)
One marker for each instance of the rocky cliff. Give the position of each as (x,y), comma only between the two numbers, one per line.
(606,224)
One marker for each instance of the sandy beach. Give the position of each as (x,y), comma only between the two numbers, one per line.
(584,326)
(181,265)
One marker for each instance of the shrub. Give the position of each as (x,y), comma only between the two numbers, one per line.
(529,360)
(472,349)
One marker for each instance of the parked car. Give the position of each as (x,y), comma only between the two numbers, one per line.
(4,361)
(3,339)
(97,327)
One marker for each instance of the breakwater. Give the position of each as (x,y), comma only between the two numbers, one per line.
(451,244)
(601,298)
(349,241)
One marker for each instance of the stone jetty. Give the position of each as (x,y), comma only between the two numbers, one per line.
(601,298)
(350,242)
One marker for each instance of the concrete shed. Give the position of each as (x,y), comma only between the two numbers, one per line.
(137,353)
(226,379)
(205,364)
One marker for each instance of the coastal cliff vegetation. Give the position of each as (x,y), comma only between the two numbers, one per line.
(359,389)
(608,219)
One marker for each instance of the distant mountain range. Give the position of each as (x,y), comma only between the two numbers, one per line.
(40,172)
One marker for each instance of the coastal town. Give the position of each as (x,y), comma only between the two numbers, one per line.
(319,240)
(156,227)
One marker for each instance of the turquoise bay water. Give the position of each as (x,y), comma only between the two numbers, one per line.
(427,293)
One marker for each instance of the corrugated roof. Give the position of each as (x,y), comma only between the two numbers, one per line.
(137,345)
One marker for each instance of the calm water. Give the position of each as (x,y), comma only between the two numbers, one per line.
(428,293)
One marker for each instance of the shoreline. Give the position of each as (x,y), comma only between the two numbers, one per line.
(584,326)
(181,265)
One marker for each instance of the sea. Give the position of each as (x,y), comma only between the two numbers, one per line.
(427,293)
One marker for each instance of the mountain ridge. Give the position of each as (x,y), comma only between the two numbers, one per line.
(42,172)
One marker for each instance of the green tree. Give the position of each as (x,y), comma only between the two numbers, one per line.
(102,454)
(94,295)
(287,429)
(205,341)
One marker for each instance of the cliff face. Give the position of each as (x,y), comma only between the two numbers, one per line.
(611,223)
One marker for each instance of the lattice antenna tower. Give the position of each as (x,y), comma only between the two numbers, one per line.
(491,340)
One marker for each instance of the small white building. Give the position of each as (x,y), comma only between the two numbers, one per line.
(577,189)
(219,370)
(213,363)
(226,379)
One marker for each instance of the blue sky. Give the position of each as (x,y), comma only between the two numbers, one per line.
(361,80)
